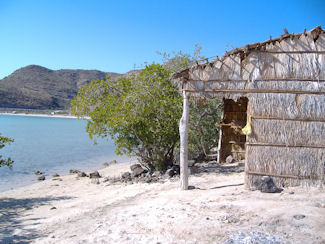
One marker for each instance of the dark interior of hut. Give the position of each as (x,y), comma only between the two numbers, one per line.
(232,140)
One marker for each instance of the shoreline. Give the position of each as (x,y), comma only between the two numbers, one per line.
(67,175)
(44,115)
(35,148)
(31,178)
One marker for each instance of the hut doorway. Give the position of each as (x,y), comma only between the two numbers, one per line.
(232,141)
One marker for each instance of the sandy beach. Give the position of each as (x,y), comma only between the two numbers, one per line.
(43,115)
(218,210)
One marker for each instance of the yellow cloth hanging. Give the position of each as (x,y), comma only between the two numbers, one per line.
(247,130)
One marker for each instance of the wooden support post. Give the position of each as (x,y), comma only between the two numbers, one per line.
(220,135)
(183,131)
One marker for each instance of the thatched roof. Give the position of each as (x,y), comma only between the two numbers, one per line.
(266,46)
(291,63)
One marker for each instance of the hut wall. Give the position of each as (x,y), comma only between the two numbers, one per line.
(284,82)
(287,166)
(288,139)
(288,133)
(305,106)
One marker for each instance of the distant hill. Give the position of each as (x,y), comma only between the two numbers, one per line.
(36,87)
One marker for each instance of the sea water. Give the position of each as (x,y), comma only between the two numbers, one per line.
(50,145)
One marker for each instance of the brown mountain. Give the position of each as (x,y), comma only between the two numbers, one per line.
(36,87)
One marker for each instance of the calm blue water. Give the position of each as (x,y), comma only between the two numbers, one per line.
(51,145)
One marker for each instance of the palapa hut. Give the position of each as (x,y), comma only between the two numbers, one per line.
(275,88)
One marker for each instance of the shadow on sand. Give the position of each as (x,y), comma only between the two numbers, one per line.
(218,187)
(12,227)
(222,168)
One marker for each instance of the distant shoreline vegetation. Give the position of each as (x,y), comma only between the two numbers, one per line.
(35,111)
(39,113)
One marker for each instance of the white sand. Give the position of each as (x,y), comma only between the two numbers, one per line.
(44,115)
(158,212)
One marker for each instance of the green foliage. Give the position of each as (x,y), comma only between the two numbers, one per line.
(203,134)
(5,162)
(140,113)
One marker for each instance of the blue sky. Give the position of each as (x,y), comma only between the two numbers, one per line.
(116,35)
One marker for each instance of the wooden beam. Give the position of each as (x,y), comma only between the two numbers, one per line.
(255,91)
(290,119)
(220,136)
(261,79)
(288,52)
(282,145)
(228,125)
(235,142)
(183,131)
(282,176)
(270,174)
(290,79)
